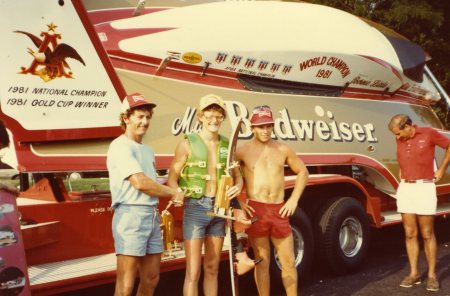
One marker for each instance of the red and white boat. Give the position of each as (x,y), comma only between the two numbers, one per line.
(265,46)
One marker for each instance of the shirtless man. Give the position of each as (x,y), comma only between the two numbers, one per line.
(262,162)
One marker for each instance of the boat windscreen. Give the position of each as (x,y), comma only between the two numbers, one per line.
(411,56)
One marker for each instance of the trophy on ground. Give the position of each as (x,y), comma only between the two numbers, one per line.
(167,232)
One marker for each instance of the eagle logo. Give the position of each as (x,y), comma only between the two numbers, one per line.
(50,57)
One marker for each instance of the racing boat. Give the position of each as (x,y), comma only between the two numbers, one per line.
(273,47)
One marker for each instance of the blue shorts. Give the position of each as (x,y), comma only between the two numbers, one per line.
(197,223)
(136,230)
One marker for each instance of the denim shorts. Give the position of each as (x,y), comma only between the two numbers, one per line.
(197,223)
(136,230)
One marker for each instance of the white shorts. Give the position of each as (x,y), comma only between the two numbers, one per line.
(416,198)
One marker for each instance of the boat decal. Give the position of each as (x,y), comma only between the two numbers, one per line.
(235,60)
(178,71)
(286,69)
(221,57)
(249,63)
(332,61)
(100,210)
(50,57)
(192,58)
(174,55)
(420,92)
(275,67)
(360,80)
(325,127)
(262,65)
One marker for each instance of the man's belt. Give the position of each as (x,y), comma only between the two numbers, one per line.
(418,181)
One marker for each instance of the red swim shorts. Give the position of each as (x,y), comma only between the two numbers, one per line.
(269,221)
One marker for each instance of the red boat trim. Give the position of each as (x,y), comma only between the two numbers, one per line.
(386,65)
(192,73)
(107,15)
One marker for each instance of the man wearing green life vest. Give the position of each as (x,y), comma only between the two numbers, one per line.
(199,162)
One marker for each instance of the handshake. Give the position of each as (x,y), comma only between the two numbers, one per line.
(178,198)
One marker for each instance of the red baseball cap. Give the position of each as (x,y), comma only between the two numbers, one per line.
(135,100)
(261,115)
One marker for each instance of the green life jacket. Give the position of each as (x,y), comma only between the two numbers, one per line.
(194,175)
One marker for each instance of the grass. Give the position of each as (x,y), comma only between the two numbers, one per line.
(84,184)
(87,184)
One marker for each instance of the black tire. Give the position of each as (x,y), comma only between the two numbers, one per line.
(342,235)
(302,232)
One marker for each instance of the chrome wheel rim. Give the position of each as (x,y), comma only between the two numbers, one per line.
(351,236)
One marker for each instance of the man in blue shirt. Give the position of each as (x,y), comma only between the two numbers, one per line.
(134,193)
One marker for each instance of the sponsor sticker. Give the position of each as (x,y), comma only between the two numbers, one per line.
(192,58)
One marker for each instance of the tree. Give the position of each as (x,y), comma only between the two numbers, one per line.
(424,22)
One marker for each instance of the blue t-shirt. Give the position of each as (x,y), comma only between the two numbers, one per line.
(127,157)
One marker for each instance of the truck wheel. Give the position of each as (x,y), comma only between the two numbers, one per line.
(342,233)
(303,249)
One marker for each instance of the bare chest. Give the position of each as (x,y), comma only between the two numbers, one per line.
(266,160)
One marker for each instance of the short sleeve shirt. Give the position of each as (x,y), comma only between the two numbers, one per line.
(416,155)
(127,157)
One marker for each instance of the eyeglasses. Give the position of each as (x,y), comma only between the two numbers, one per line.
(219,118)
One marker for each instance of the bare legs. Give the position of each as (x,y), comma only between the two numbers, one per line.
(285,251)
(411,224)
(127,268)
(193,249)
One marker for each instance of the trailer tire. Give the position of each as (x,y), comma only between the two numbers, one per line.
(342,234)
(303,236)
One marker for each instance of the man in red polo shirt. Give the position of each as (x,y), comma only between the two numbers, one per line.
(416,193)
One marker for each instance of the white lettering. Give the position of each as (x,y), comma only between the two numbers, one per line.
(334,128)
(358,132)
(345,131)
(184,125)
(323,130)
(283,127)
(235,111)
(304,127)
(369,131)
(325,126)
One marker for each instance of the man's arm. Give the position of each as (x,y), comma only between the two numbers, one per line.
(150,187)
(298,167)
(443,167)
(178,163)
(240,155)
(238,182)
